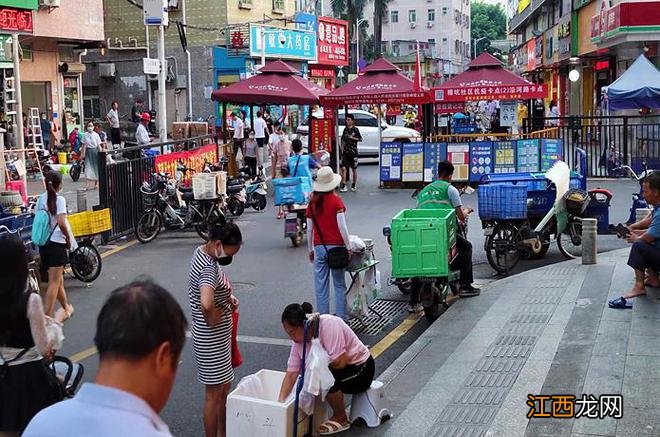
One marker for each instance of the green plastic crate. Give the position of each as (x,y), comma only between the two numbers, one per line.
(423,242)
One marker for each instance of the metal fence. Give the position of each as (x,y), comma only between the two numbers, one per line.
(610,141)
(121,176)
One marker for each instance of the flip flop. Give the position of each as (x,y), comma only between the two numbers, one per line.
(333,427)
(620,303)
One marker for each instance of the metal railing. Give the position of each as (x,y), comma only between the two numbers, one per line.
(610,141)
(552,132)
(121,176)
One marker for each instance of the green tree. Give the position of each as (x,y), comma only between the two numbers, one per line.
(380,9)
(488,21)
(351,11)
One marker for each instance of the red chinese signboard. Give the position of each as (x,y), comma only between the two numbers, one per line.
(518,92)
(449,108)
(191,159)
(16,20)
(332,42)
(624,18)
(320,135)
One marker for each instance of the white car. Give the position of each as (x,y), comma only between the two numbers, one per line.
(367,123)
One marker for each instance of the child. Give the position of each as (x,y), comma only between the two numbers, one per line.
(251,148)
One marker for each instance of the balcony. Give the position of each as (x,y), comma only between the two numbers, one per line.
(530,11)
(245,4)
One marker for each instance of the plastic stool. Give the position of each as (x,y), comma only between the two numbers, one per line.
(370,405)
(19,186)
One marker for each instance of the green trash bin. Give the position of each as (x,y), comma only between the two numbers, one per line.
(423,243)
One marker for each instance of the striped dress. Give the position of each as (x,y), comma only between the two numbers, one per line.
(212,345)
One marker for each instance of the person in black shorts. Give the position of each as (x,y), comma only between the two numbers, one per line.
(349,157)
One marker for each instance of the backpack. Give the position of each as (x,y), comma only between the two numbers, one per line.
(41,231)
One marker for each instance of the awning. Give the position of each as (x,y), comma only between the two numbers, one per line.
(277,83)
(638,87)
(486,79)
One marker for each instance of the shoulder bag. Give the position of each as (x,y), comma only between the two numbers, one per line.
(338,257)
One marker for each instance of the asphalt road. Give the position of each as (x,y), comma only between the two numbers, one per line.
(267,275)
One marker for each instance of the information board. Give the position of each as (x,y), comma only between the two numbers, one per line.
(508,113)
(528,156)
(459,155)
(434,153)
(551,152)
(481,159)
(413,162)
(390,162)
(505,157)
(320,134)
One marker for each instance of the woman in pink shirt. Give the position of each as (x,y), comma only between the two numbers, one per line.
(350,361)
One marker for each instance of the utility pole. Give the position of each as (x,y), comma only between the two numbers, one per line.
(18,132)
(162,104)
(188,66)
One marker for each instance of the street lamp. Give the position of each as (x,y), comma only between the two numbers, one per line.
(474,45)
(357,43)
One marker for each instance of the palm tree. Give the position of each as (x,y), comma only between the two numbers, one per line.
(351,11)
(380,9)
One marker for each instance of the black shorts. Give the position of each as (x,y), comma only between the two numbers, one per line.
(53,255)
(354,378)
(115,135)
(261,142)
(349,160)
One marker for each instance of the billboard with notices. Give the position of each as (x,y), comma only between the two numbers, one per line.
(282,42)
(332,41)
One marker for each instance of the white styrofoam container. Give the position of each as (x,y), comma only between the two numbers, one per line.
(264,416)
(204,186)
(221,182)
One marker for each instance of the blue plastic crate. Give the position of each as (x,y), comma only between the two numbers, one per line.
(502,201)
(291,190)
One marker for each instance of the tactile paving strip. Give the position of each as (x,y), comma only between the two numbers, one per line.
(373,324)
(474,407)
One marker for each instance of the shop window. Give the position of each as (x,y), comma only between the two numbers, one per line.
(278,5)
(28,52)
(431,14)
(394,16)
(444,10)
(412,16)
(92,107)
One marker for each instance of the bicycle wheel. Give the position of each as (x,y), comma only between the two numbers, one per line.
(259,202)
(570,241)
(215,216)
(148,226)
(502,248)
(86,262)
(235,206)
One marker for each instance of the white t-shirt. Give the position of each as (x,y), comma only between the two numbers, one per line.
(57,236)
(114,118)
(142,135)
(260,128)
(238,129)
(91,140)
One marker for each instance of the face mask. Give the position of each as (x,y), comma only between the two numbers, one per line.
(251,136)
(223,260)
(90,129)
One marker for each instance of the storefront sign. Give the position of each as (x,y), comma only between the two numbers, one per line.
(191,159)
(16,21)
(321,72)
(462,94)
(21,4)
(624,18)
(531,55)
(413,162)
(305,21)
(434,153)
(481,159)
(390,161)
(282,43)
(4,55)
(332,41)
(538,49)
(564,38)
(522,5)
(321,134)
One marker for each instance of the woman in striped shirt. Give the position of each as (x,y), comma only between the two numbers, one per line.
(212,303)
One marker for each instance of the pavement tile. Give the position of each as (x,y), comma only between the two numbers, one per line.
(644,344)
(548,427)
(639,422)
(617,315)
(641,381)
(644,325)
(605,375)
(569,374)
(599,427)
(647,307)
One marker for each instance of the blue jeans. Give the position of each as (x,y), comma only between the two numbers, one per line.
(322,283)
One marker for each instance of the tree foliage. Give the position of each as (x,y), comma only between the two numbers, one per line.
(488,21)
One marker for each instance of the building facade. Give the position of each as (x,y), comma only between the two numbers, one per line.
(50,66)
(442,28)
(210,24)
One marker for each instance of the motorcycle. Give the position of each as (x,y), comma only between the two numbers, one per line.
(174,207)
(236,196)
(255,193)
(638,200)
(295,224)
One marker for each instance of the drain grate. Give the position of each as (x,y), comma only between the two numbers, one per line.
(373,324)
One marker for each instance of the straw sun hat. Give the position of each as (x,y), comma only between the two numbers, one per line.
(326,180)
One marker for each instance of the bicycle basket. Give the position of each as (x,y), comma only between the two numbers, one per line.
(149,195)
(576,201)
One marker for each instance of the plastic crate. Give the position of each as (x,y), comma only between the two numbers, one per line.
(291,190)
(502,201)
(90,222)
(423,242)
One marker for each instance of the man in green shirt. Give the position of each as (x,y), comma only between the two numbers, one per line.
(442,194)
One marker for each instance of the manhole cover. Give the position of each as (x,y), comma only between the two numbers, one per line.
(390,310)
(243,286)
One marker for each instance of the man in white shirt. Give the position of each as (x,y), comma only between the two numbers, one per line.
(142,134)
(136,372)
(238,134)
(113,119)
(260,129)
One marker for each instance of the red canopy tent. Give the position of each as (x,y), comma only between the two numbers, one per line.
(486,79)
(381,82)
(277,83)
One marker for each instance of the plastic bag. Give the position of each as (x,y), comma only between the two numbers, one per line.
(356,243)
(356,299)
(371,284)
(318,378)
(251,387)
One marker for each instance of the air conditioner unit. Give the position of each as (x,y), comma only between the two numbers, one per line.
(173,5)
(429,24)
(107,70)
(71,68)
(49,3)
(413,24)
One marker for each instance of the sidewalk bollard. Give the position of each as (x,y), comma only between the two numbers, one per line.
(641,213)
(589,226)
(81,200)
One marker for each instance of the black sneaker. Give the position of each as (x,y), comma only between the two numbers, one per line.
(469,291)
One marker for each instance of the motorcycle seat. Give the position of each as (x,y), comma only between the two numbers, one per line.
(233,189)
(185,189)
(187,196)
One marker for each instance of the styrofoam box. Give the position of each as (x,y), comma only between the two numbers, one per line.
(264,416)
(204,186)
(221,182)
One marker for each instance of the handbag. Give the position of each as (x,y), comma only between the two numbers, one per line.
(236,357)
(338,257)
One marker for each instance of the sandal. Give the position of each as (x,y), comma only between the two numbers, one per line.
(620,303)
(332,427)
